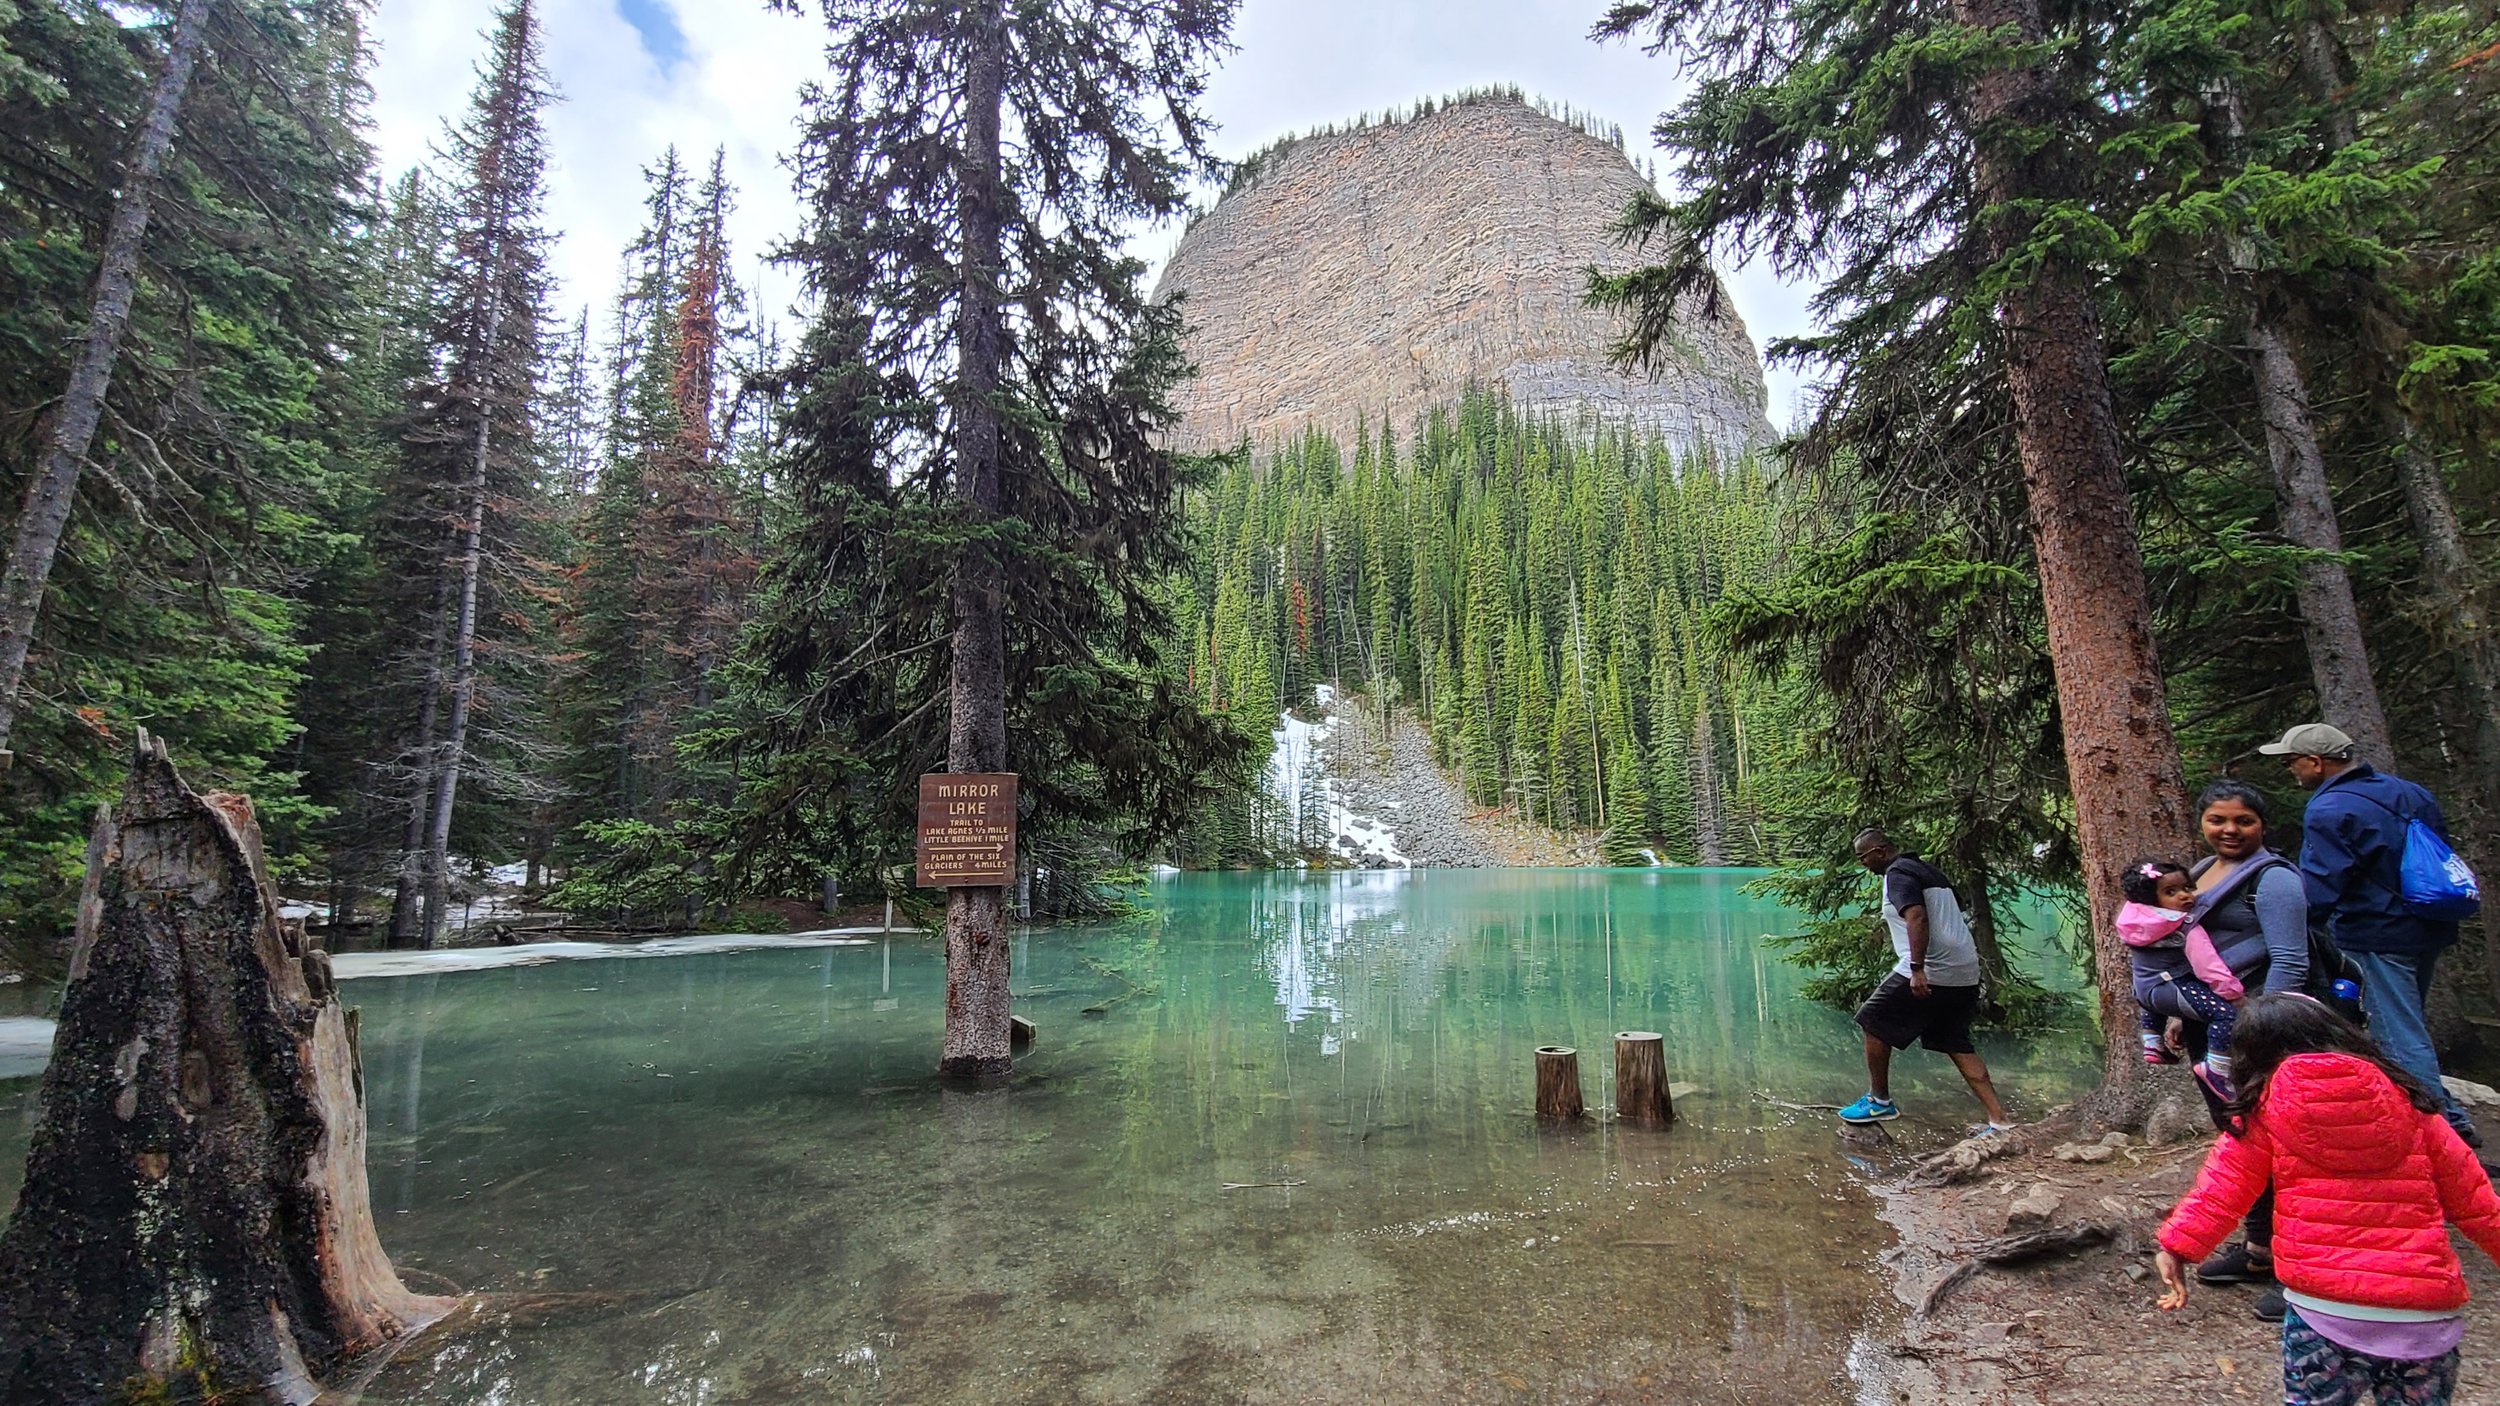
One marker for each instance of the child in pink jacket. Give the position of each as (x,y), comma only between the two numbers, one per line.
(2154,924)
(2367,1178)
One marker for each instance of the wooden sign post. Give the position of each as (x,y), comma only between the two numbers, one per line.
(967,830)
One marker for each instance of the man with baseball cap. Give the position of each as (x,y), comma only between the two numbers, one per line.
(2352,842)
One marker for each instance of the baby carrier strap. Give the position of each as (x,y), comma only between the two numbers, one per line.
(2230,888)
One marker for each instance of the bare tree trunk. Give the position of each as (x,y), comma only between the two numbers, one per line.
(1970,866)
(408,890)
(2458,595)
(977,1030)
(464,631)
(195,1223)
(2339,658)
(2122,760)
(1709,826)
(53,486)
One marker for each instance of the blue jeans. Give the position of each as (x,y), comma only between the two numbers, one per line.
(2394,986)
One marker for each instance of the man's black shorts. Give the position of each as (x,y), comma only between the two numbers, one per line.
(1940,1020)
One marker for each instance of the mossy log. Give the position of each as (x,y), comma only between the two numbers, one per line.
(195,1223)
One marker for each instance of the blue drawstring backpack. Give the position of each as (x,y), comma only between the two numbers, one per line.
(2434,883)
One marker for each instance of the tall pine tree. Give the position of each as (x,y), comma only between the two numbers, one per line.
(986,509)
(467,506)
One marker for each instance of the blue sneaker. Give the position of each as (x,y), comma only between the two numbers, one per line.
(1870,1109)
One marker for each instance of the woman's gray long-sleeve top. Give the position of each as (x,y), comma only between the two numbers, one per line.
(2267,922)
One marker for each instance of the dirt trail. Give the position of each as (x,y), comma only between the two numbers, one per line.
(2081,1327)
(1386,769)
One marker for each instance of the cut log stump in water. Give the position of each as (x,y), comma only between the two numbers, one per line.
(1641,1077)
(195,1222)
(1558,1083)
(1020,1033)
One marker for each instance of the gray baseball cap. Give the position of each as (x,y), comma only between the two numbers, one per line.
(2311,740)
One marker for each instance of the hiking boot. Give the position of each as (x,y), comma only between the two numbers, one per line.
(2236,1265)
(1870,1109)
(2270,1306)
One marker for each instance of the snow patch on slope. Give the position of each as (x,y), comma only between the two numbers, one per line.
(1317,814)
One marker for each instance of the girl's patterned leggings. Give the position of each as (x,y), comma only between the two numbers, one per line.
(2316,1372)
(2191,999)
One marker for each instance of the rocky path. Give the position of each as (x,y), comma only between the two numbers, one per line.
(2080,1329)
(1384,768)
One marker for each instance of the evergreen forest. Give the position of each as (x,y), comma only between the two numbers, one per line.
(463,588)
(1540,596)
(647,603)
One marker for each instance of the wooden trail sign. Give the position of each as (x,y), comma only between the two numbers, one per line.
(967,830)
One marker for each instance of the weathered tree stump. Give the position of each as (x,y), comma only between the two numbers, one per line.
(1641,1077)
(194,1223)
(1558,1083)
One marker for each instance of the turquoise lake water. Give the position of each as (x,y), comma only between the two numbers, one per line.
(1291,1159)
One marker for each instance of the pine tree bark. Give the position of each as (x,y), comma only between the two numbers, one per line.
(1709,827)
(2459,590)
(195,1222)
(2122,759)
(977,1031)
(464,629)
(2458,594)
(1970,864)
(407,923)
(2330,621)
(53,487)
(2339,658)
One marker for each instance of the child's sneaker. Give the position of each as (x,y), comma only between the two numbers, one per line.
(2155,1052)
(1870,1109)
(1980,1130)
(2216,1084)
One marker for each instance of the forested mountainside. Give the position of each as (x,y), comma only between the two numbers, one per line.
(1536,593)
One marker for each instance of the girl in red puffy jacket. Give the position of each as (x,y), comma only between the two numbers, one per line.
(2367,1177)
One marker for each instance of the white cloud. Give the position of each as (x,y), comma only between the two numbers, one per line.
(1300,63)
(737,88)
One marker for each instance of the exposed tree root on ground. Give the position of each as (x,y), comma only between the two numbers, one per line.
(2024,1276)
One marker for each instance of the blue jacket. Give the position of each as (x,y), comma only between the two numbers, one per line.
(2352,840)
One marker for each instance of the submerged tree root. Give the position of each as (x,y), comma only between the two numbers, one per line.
(483,1312)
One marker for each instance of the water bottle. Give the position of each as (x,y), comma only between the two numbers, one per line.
(2346,998)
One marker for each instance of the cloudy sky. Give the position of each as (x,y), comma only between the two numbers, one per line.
(637,75)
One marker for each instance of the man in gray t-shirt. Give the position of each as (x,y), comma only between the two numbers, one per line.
(1933,990)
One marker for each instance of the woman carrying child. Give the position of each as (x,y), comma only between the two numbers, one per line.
(2367,1177)
(2253,907)
(2249,897)
(2159,927)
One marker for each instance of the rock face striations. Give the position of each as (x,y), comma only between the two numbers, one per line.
(1379,272)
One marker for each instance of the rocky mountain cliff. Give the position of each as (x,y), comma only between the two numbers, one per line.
(1381,270)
